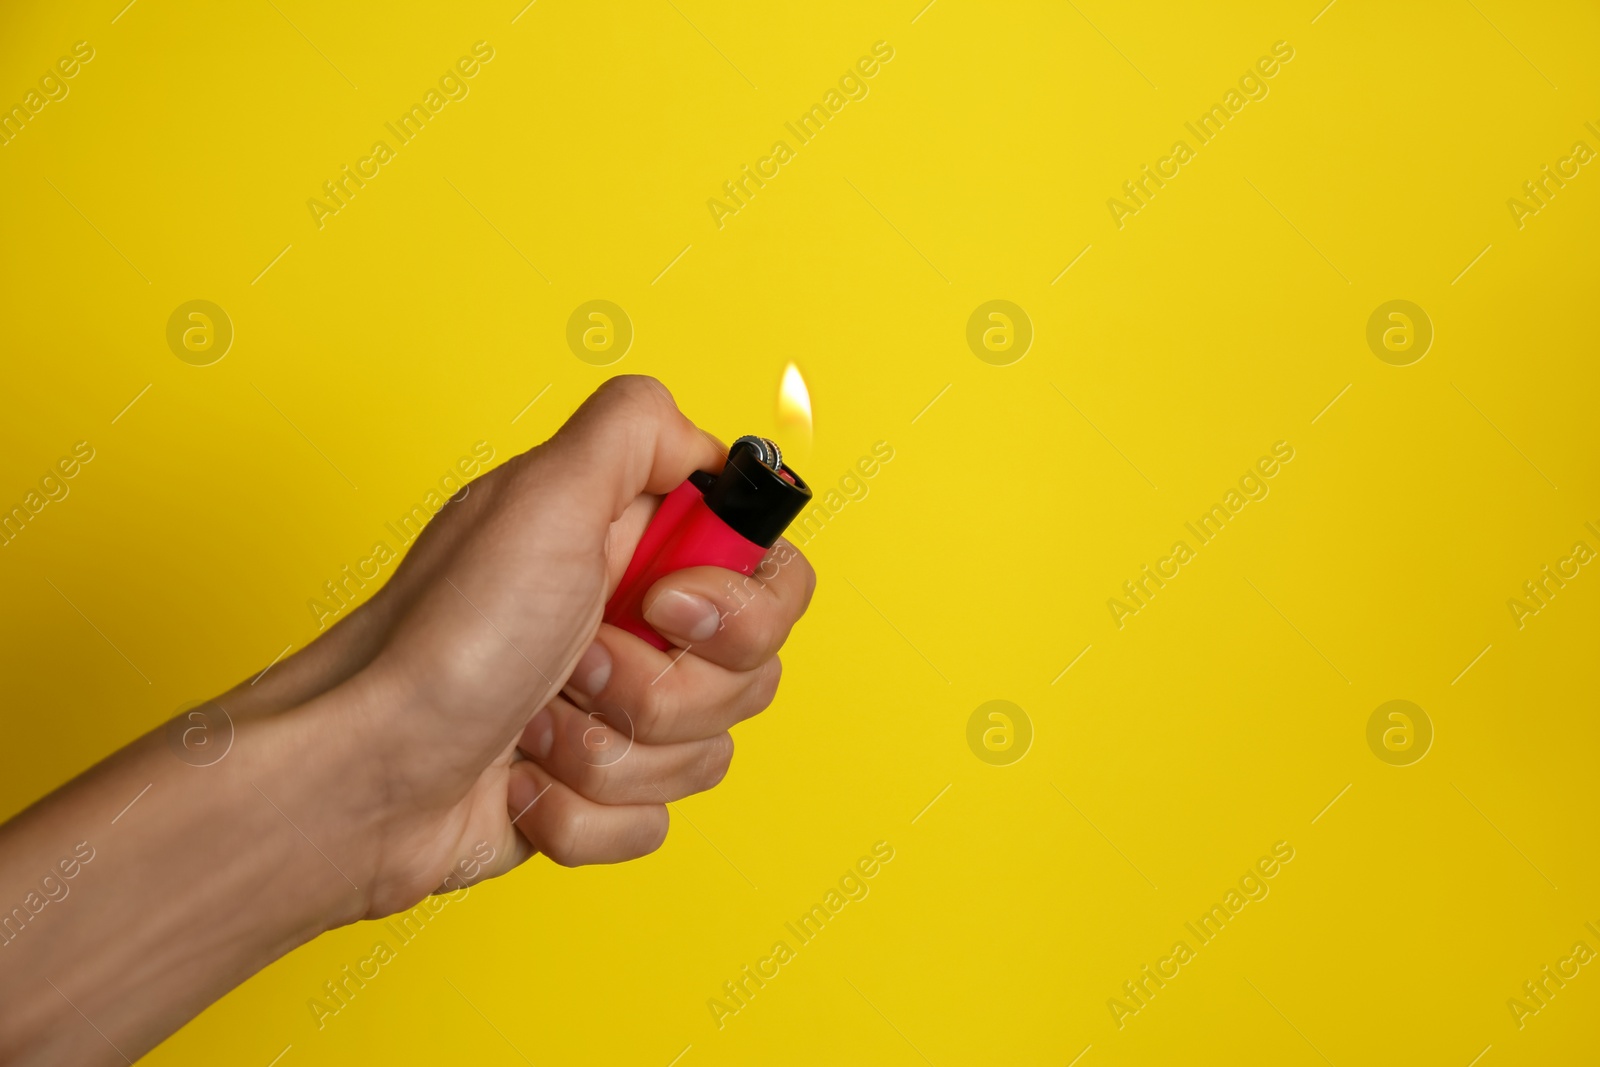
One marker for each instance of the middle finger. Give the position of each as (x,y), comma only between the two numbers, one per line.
(669,696)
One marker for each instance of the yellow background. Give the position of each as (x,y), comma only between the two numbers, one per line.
(1222,318)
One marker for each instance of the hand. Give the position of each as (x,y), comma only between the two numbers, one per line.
(382,762)
(488,640)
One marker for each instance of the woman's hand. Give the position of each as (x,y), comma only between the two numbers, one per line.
(385,761)
(488,641)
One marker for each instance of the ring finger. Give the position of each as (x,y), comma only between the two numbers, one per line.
(600,758)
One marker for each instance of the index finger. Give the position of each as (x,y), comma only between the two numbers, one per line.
(630,438)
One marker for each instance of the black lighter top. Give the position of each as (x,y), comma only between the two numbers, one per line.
(756,494)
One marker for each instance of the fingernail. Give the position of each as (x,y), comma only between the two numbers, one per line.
(593,671)
(540,734)
(693,618)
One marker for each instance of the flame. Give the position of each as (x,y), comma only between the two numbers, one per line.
(794,403)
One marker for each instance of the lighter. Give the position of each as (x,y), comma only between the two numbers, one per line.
(717,520)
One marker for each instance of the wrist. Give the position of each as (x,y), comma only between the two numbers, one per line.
(380,788)
(310,769)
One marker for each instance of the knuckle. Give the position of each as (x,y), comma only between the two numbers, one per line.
(741,595)
(660,709)
(788,561)
(767,684)
(809,573)
(751,638)
(564,837)
(715,762)
(587,780)
(600,750)
(769,568)
(766,638)
(654,834)
(640,389)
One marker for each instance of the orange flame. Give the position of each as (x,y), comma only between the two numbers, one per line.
(794,404)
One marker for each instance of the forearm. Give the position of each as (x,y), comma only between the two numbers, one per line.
(197,877)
